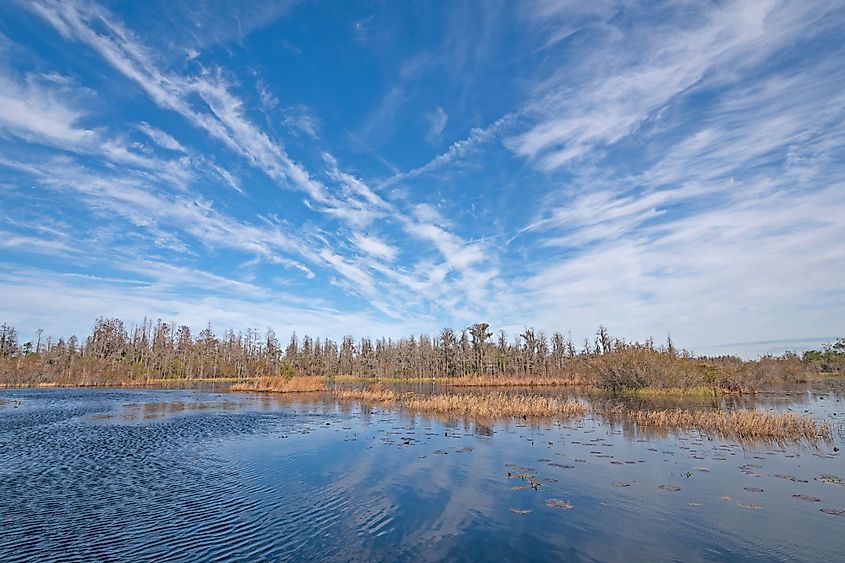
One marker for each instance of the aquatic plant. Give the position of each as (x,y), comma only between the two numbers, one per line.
(283,384)
(526,381)
(488,405)
(746,424)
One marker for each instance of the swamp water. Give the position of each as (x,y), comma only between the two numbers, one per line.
(94,474)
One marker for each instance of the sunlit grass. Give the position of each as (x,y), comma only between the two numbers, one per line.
(668,391)
(525,381)
(297,384)
(489,405)
(745,424)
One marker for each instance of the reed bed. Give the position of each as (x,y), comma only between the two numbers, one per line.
(526,381)
(297,384)
(488,405)
(745,424)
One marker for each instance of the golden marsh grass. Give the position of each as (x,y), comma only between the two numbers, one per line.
(488,405)
(526,381)
(297,384)
(745,424)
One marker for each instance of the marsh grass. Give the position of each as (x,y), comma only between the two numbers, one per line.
(743,424)
(278,384)
(524,381)
(141,382)
(666,391)
(488,405)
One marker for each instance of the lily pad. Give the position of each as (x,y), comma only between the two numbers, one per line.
(673,488)
(830,480)
(557,503)
(795,479)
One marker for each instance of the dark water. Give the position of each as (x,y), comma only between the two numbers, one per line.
(89,475)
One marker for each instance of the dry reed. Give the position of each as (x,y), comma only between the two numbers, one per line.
(493,405)
(297,384)
(746,424)
(524,381)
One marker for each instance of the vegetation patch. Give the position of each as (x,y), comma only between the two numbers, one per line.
(280,384)
(490,405)
(744,424)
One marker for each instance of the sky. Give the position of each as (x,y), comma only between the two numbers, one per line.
(391,168)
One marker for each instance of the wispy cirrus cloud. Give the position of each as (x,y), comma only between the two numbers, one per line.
(626,88)
(655,167)
(436,124)
(225,119)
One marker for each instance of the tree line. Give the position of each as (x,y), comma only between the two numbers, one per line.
(113,353)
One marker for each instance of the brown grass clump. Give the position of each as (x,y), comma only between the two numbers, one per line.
(297,384)
(373,394)
(746,424)
(493,405)
(524,381)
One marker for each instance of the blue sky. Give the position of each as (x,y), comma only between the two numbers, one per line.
(391,168)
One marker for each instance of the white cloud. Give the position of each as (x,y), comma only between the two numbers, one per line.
(614,95)
(301,119)
(226,120)
(161,138)
(375,246)
(436,123)
(35,112)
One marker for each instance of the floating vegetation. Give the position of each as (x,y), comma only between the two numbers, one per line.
(521,511)
(621,484)
(756,490)
(750,424)
(792,478)
(749,506)
(524,381)
(830,480)
(726,499)
(807,498)
(296,384)
(672,488)
(557,503)
(490,405)
(833,511)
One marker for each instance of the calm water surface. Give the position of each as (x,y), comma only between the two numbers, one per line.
(159,475)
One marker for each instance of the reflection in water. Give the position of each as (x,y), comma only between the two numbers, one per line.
(187,475)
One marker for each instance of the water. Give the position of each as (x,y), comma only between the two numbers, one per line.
(195,475)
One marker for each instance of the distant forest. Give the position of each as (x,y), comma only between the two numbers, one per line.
(113,354)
